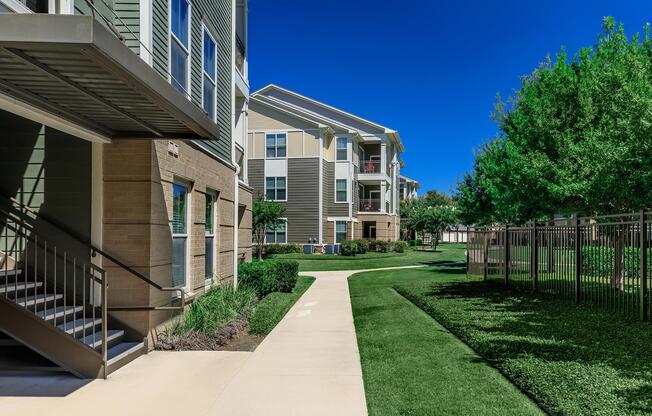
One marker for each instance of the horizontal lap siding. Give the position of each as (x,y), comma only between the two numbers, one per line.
(218,15)
(256,174)
(127,21)
(333,209)
(302,208)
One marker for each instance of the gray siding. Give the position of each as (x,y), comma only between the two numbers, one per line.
(127,22)
(332,209)
(217,13)
(302,206)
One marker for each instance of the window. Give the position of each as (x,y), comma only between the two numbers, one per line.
(276,145)
(277,234)
(210,237)
(180,45)
(340,231)
(342,150)
(341,192)
(179,234)
(209,74)
(275,188)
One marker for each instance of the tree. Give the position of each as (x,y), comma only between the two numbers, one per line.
(265,215)
(576,138)
(433,220)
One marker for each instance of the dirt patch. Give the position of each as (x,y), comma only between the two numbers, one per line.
(233,336)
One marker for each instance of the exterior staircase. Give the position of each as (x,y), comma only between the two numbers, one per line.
(56,305)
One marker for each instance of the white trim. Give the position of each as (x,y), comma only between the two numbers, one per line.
(276,133)
(346,230)
(351,219)
(213,194)
(347,191)
(171,37)
(188,185)
(204,75)
(321,187)
(16,6)
(22,109)
(146,31)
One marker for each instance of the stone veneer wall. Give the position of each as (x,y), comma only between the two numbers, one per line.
(138,179)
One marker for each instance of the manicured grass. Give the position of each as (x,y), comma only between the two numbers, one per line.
(411,364)
(577,360)
(322,262)
(274,306)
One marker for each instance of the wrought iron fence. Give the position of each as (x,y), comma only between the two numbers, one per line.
(602,261)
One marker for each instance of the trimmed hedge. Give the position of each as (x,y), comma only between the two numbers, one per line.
(601,261)
(283,248)
(379,246)
(265,277)
(400,246)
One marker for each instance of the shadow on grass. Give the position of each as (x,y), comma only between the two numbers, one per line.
(579,360)
(459,265)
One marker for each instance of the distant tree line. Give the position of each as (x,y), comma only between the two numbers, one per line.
(575,138)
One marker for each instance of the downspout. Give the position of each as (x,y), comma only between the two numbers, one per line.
(321,187)
(236,228)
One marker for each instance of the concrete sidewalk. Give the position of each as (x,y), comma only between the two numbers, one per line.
(309,364)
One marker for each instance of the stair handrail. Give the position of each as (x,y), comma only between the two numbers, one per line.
(106,255)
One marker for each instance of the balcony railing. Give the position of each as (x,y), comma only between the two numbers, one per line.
(240,53)
(370,166)
(370,205)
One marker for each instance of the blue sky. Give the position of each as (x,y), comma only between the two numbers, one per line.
(430,69)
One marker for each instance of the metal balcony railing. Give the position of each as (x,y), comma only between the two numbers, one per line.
(370,166)
(370,205)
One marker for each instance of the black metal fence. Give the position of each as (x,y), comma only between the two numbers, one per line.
(603,261)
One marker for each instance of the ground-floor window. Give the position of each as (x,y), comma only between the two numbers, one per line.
(209,237)
(180,227)
(277,235)
(340,231)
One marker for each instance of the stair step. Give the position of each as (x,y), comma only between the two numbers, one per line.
(38,300)
(78,326)
(10,288)
(123,353)
(113,336)
(10,272)
(54,314)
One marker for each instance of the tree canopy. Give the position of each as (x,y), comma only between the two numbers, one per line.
(265,215)
(576,138)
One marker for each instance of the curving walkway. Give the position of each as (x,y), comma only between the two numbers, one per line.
(309,364)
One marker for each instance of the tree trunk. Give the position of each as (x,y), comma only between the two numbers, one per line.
(618,280)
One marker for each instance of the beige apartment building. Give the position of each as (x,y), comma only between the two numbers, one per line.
(336,174)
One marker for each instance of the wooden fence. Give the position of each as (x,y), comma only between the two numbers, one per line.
(603,261)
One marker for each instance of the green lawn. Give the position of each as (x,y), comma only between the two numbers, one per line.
(577,360)
(411,364)
(274,306)
(322,262)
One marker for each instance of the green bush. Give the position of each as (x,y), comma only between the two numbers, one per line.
(400,246)
(362,246)
(379,246)
(601,261)
(348,248)
(414,243)
(283,248)
(265,277)
(219,306)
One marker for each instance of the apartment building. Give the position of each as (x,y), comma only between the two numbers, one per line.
(123,182)
(408,188)
(336,174)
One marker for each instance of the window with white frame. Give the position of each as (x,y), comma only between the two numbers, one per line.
(275,145)
(180,45)
(341,191)
(278,234)
(209,77)
(340,231)
(209,236)
(342,149)
(276,188)
(180,227)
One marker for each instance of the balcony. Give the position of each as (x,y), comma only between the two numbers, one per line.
(370,205)
(240,54)
(370,166)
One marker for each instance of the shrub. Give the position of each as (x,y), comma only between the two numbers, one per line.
(348,248)
(283,248)
(400,246)
(219,306)
(265,277)
(414,243)
(379,246)
(362,246)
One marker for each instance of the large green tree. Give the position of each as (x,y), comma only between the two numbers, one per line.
(576,137)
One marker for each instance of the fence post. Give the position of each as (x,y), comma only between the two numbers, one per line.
(578,261)
(506,254)
(534,266)
(486,238)
(643,258)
